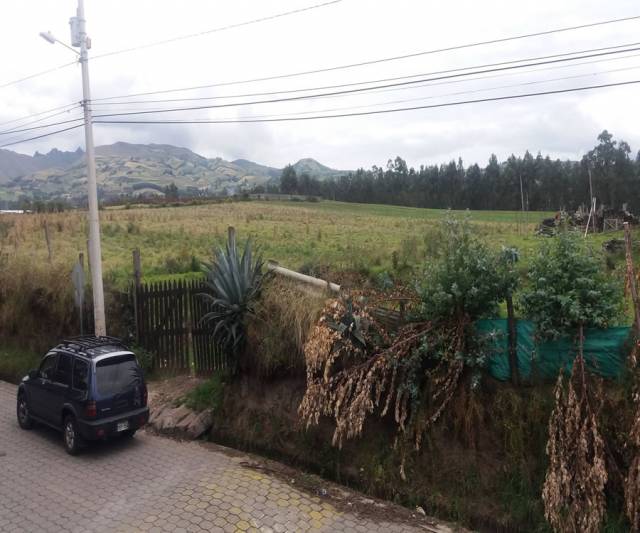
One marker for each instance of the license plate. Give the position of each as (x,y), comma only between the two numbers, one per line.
(122,426)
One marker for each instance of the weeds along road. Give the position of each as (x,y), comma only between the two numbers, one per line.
(153,483)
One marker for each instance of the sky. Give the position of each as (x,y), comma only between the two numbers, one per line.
(345,32)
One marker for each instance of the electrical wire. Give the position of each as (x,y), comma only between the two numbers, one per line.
(40,136)
(458,93)
(38,114)
(219,29)
(42,126)
(37,74)
(373,89)
(368,82)
(378,112)
(349,91)
(507,74)
(21,127)
(380,60)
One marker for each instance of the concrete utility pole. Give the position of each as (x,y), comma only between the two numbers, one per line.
(80,40)
(95,254)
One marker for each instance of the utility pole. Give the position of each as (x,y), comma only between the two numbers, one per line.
(79,38)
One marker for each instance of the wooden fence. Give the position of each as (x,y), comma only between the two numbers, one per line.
(168,317)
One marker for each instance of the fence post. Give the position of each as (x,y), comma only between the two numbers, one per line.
(47,239)
(512,333)
(137,280)
(633,289)
(81,261)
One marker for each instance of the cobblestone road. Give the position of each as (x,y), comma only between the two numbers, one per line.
(152,483)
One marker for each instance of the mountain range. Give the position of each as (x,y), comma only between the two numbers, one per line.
(137,169)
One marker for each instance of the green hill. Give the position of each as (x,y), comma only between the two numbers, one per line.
(136,169)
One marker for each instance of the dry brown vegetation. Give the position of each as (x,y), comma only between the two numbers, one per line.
(354,372)
(573,491)
(284,317)
(632,481)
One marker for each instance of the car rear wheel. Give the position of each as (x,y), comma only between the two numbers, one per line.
(24,417)
(73,441)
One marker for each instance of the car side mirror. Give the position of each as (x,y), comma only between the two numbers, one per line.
(33,374)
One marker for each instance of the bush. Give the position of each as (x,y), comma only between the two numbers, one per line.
(207,395)
(466,281)
(569,288)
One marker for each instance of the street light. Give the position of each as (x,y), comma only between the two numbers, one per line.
(50,38)
(79,39)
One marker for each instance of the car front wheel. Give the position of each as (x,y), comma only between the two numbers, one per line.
(73,441)
(24,418)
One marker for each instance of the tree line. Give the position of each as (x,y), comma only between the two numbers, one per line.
(537,182)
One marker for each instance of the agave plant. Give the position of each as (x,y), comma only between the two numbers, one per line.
(235,281)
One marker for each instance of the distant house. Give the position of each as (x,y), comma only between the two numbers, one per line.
(13,211)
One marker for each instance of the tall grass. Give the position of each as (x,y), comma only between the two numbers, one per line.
(285,314)
(36,301)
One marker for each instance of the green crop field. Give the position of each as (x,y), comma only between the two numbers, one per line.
(300,235)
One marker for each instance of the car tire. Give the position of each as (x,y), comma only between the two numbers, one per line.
(22,411)
(73,441)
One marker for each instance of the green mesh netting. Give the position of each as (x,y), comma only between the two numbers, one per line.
(604,351)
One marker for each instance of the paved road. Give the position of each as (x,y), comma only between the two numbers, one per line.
(152,483)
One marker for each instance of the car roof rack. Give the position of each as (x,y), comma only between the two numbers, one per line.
(88,343)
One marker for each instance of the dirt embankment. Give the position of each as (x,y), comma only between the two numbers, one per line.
(481,466)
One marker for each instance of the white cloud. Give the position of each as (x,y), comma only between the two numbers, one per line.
(351,31)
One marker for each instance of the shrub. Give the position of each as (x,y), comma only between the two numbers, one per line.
(569,291)
(207,395)
(569,288)
(466,281)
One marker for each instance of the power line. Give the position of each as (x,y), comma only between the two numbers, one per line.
(37,74)
(313,96)
(174,39)
(20,119)
(505,74)
(40,136)
(21,127)
(484,89)
(368,82)
(341,115)
(219,29)
(381,60)
(458,93)
(351,91)
(379,112)
(42,126)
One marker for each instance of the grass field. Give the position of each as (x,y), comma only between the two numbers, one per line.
(299,235)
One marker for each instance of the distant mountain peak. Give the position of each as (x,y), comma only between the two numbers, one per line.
(129,169)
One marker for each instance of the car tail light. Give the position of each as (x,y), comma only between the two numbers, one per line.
(91,411)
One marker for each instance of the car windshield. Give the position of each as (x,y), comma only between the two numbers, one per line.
(117,374)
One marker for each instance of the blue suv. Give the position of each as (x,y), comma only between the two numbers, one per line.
(88,387)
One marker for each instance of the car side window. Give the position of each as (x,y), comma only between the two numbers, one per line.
(80,375)
(63,371)
(48,366)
